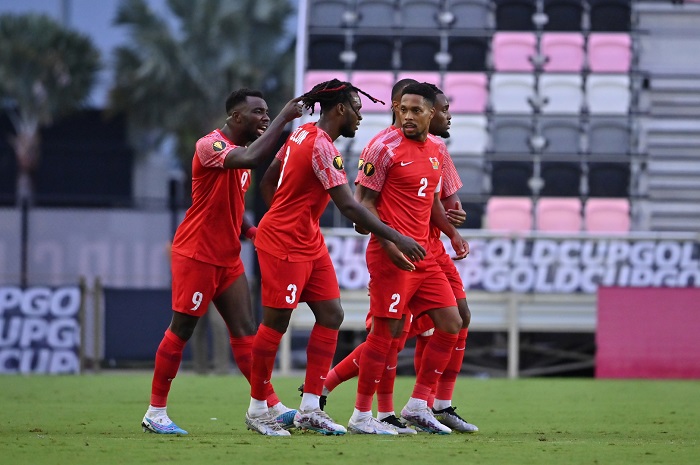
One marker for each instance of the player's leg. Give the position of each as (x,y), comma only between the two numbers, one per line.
(442,405)
(345,370)
(235,307)
(385,389)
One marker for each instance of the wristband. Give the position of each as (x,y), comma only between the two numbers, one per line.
(250,233)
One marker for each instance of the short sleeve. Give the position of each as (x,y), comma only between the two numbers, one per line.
(451,182)
(212,150)
(376,161)
(327,163)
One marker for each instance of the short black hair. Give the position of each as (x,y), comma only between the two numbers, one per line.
(240,95)
(330,93)
(435,88)
(400,86)
(423,89)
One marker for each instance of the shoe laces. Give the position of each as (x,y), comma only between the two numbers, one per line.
(451,411)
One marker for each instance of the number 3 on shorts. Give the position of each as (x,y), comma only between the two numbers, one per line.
(293,296)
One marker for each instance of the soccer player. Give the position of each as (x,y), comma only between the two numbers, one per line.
(422,327)
(400,182)
(205,257)
(294,262)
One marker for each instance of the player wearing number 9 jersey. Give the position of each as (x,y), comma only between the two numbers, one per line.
(205,262)
(295,265)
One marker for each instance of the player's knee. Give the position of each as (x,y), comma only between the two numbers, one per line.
(332,318)
(465,313)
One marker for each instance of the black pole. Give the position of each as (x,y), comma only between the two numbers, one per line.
(24,240)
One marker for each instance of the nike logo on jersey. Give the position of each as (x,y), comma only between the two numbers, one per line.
(438,372)
(354,360)
(377,381)
(459,348)
(391,368)
(406,163)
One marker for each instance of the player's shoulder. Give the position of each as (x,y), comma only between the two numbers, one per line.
(439,141)
(215,141)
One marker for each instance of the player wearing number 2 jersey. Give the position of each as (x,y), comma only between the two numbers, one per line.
(205,262)
(294,261)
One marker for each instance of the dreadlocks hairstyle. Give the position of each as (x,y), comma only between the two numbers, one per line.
(238,96)
(330,93)
(423,89)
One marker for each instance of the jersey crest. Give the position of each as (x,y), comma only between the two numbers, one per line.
(218,145)
(338,163)
(368,169)
(435,162)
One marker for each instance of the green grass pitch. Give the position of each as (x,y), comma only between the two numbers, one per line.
(95,419)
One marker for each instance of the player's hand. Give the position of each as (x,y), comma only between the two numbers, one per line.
(460,246)
(411,249)
(360,230)
(456,215)
(398,258)
(293,109)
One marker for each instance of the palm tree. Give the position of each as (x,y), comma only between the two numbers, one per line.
(174,82)
(46,71)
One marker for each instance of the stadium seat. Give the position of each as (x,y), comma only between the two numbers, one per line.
(376,13)
(432,77)
(475,213)
(609,52)
(563,135)
(468,135)
(608,179)
(564,51)
(511,214)
(609,137)
(471,14)
(419,14)
(374,52)
(512,51)
(510,178)
(563,15)
(610,15)
(561,179)
(608,93)
(510,92)
(328,13)
(467,92)
(471,172)
(607,215)
(564,93)
(378,84)
(313,77)
(324,51)
(559,215)
(467,53)
(418,53)
(510,135)
(515,15)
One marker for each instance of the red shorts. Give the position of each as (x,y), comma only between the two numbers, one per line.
(195,283)
(450,270)
(393,291)
(420,325)
(285,283)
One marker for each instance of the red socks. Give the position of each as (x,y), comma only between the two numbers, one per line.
(372,364)
(385,389)
(435,358)
(347,369)
(264,350)
(242,348)
(168,358)
(319,357)
(446,384)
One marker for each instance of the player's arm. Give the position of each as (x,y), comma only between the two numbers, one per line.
(264,146)
(269,181)
(343,198)
(453,209)
(439,218)
(248,229)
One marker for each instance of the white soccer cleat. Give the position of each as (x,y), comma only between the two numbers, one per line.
(160,424)
(266,425)
(398,425)
(451,419)
(319,421)
(370,425)
(424,420)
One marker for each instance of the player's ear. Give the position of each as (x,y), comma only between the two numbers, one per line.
(340,108)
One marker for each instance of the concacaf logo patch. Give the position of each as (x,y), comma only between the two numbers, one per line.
(368,169)
(360,163)
(219,145)
(338,162)
(435,162)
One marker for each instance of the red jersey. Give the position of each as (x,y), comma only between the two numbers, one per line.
(212,225)
(311,165)
(451,183)
(407,174)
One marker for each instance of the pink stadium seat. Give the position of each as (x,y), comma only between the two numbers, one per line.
(609,52)
(513,214)
(422,76)
(311,78)
(512,51)
(564,51)
(378,84)
(559,214)
(467,92)
(607,215)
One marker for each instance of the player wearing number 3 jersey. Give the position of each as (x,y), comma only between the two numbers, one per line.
(295,265)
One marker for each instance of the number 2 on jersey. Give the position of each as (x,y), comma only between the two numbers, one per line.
(423,187)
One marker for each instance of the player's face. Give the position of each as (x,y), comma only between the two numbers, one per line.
(416,113)
(352,116)
(440,124)
(254,117)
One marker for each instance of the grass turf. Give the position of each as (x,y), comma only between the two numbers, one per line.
(95,419)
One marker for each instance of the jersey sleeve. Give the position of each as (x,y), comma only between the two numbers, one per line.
(376,161)
(451,182)
(212,150)
(327,164)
